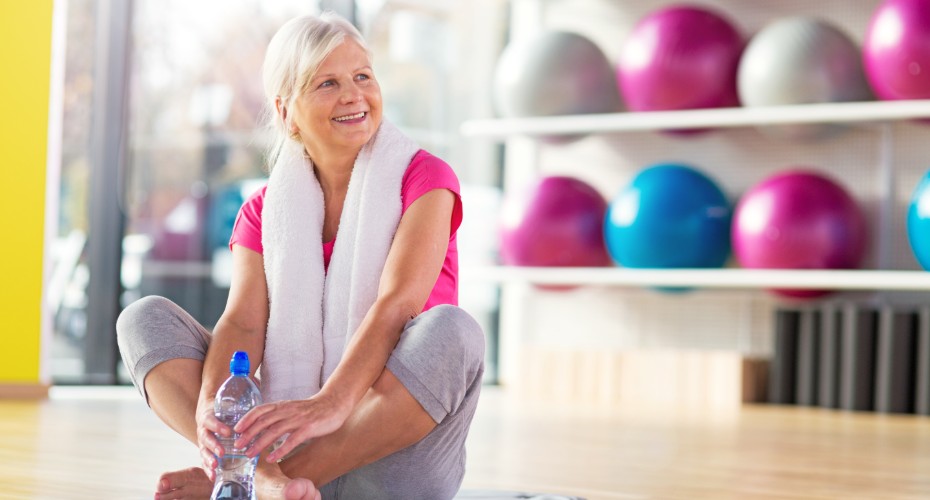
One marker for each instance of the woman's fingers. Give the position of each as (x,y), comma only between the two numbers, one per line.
(260,423)
(254,434)
(267,428)
(214,425)
(286,447)
(208,459)
(248,420)
(271,434)
(211,474)
(265,424)
(210,427)
(209,440)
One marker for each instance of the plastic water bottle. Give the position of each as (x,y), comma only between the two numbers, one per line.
(238,394)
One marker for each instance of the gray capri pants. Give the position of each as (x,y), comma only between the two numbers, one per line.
(439,359)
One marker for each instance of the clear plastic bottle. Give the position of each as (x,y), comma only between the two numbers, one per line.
(235,472)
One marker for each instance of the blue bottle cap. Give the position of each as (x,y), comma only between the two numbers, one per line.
(239,364)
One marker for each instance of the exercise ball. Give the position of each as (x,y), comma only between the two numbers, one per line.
(918,222)
(896,50)
(669,216)
(554,73)
(554,221)
(801,60)
(224,209)
(798,219)
(680,57)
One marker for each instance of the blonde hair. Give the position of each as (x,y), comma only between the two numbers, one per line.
(292,59)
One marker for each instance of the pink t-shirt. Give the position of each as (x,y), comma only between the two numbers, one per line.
(425,173)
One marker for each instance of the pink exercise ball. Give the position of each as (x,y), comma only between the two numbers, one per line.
(555,221)
(680,57)
(896,50)
(799,219)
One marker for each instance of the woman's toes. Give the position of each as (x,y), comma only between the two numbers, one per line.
(186,483)
(300,489)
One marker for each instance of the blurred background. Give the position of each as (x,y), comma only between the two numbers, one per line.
(171,90)
(676,210)
(555,116)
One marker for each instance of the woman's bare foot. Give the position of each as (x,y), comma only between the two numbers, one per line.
(301,489)
(271,483)
(190,483)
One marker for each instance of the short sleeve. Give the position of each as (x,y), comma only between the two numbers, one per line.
(426,173)
(247,231)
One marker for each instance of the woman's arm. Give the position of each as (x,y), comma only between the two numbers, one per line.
(242,324)
(240,328)
(410,272)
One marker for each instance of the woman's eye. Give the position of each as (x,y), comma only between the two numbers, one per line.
(327,83)
(362,76)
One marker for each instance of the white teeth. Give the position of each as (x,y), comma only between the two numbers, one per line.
(350,117)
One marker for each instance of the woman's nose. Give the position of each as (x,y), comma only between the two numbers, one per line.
(350,94)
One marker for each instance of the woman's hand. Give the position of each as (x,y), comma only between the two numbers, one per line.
(302,419)
(207,428)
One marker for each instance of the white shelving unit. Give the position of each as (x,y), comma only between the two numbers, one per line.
(877,113)
(854,112)
(561,335)
(705,278)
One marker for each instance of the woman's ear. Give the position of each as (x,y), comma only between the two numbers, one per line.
(279,107)
(282,112)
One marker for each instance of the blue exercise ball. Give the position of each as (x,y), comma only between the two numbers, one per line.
(669,216)
(918,222)
(224,208)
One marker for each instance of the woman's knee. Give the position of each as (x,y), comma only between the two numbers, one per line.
(156,323)
(452,330)
(139,314)
(153,330)
(144,307)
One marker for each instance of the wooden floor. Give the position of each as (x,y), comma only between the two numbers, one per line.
(105,444)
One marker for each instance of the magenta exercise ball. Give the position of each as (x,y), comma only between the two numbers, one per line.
(680,57)
(896,50)
(799,219)
(555,221)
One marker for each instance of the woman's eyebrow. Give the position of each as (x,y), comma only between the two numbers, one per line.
(330,75)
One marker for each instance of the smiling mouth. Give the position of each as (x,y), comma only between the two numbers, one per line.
(356,116)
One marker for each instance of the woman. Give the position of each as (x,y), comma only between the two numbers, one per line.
(343,289)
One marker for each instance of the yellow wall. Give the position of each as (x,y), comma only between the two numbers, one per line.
(25,59)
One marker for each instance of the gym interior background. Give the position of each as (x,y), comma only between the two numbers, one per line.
(131,129)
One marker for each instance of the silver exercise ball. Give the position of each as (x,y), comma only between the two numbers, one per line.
(554,73)
(801,60)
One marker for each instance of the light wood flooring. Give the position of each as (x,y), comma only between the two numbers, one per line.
(96,443)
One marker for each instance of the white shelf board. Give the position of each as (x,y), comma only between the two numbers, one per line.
(847,112)
(703,278)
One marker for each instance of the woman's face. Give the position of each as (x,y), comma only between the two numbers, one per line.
(341,107)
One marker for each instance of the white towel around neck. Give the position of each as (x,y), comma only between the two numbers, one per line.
(312,314)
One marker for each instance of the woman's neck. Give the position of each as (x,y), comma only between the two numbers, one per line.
(334,169)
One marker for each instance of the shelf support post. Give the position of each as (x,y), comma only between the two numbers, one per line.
(883,234)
